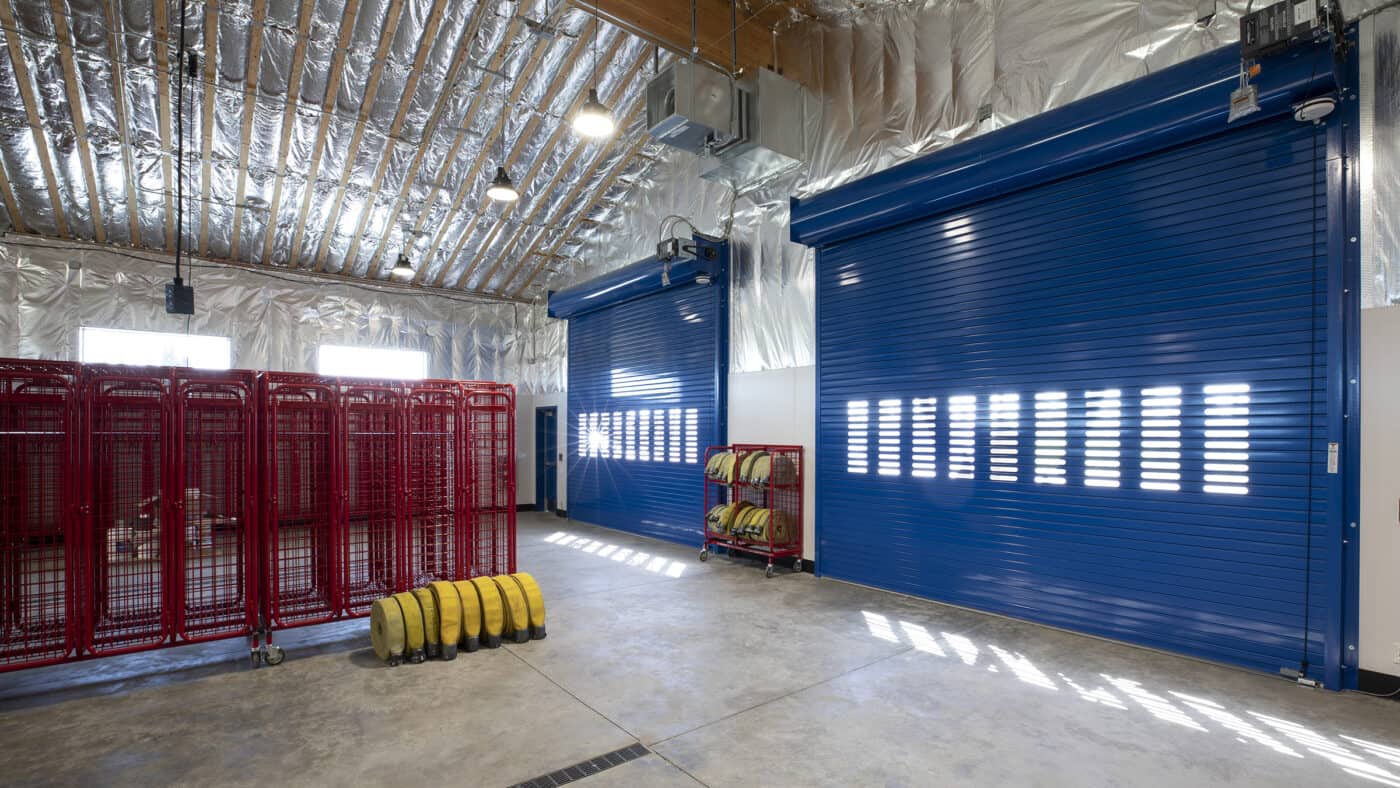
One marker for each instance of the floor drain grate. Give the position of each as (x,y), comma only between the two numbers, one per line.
(586,768)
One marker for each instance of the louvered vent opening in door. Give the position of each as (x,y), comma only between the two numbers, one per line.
(646,382)
(1097,403)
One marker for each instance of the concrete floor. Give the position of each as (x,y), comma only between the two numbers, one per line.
(729,678)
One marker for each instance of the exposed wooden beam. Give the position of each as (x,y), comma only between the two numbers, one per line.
(73,85)
(560,81)
(347,27)
(581,216)
(521,80)
(162,77)
(667,23)
(31,108)
(119,104)
(250,101)
(618,91)
(459,61)
(211,76)
(425,46)
(289,114)
(11,207)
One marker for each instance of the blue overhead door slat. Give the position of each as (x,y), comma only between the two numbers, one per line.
(645,387)
(1098,403)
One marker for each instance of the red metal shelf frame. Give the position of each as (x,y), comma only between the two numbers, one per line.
(784,498)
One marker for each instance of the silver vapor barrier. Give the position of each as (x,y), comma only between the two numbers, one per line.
(275,319)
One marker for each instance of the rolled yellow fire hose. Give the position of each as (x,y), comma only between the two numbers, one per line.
(412,625)
(517,625)
(386,630)
(471,615)
(534,600)
(431,630)
(492,611)
(449,610)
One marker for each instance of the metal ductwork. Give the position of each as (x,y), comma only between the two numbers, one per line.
(745,130)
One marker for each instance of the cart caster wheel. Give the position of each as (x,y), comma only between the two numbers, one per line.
(704,555)
(273,655)
(797,565)
(769,571)
(256,656)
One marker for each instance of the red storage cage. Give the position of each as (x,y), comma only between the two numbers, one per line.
(214,525)
(300,521)
(128,413)
(40,550)
(437,531)
(372,415)
(490,487)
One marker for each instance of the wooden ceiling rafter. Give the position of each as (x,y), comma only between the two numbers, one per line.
(206,144)
(119,104)
(72,86)
(162,77)
(667,24)
(580,145)
(289,114)
(425,47)
(31,109)
(459,62)
(313,164)
(250,100)
(522,80)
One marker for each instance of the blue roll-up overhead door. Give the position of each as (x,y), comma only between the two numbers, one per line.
(647,374)
(1102,402)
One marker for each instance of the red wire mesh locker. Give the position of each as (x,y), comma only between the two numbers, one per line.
(40,550)
(299,478)
(490,490)
(128,415)
(437,535)
(372,479)
(214,525)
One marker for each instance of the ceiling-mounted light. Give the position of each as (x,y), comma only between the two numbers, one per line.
(402,268)
(501,189)
(594,119)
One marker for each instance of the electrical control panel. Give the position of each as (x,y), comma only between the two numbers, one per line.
(1280,26)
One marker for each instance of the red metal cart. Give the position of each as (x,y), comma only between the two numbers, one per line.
(213,532)
(40,547)
(490,487)
(437,529)
(128,417)
(372,415)
(300,524)
(778,490)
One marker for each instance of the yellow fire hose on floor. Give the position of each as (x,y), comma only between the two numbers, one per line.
(445,618)
(471,615)
(449,609)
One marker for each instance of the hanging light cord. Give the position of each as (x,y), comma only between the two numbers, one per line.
(180,146)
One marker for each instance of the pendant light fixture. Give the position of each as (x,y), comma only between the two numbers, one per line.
(501,188)
(594,119)
(402,267)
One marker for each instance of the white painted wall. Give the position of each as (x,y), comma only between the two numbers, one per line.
(779,406)
(525,405)
(1379,619)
